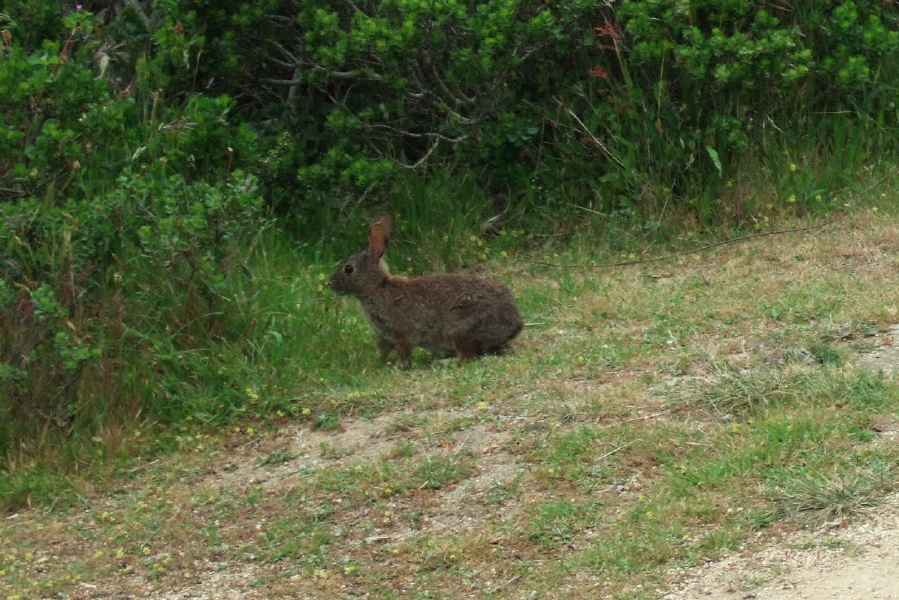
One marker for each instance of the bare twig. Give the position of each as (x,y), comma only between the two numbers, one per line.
(614,450)
(595,140)
(647,417)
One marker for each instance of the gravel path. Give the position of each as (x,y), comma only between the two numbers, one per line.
(858,561)
(840,561)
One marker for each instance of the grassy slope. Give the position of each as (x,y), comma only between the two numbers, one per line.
(650,417)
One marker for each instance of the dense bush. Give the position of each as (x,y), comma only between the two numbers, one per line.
(633,108)
(122,217)
(729,65)
(682,94)
(365,90)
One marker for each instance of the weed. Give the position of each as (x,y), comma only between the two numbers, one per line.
(326,422)
(330,451)
(278,457)
(404,449)
(819,497)
(555,522)
(437,473)
(732,391)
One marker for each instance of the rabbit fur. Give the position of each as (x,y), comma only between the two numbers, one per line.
(447,314)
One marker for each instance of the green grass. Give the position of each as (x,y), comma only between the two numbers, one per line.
(649,417)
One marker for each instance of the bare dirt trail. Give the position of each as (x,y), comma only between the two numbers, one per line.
(858,560)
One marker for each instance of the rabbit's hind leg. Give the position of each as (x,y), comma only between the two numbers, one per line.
(467,348)
(404,347)
(385,346)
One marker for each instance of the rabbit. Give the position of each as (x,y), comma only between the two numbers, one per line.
(451,314)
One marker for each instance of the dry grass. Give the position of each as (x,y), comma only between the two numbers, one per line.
(650,418)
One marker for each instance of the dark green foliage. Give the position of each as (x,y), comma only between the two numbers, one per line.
(371,88)
(140,274)
(632,111)
(738,64)
(683,93)
(122,218)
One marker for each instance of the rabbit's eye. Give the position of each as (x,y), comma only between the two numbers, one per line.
(348,269)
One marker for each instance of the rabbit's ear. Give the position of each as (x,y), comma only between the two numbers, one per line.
(379,234)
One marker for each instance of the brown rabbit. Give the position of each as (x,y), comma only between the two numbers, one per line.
(447,314)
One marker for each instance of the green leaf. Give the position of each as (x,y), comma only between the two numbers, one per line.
(715,159)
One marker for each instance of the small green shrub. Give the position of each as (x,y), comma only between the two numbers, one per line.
(122,220)
(140,272)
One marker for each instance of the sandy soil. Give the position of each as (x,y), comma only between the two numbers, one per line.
(859,561)
(845,561)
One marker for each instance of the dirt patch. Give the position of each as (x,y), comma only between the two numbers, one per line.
(845,561)
(461,509)
(859,561)
(302,449)
(352,510)
(217,582)
(885,357)
(456,509)
(280,459)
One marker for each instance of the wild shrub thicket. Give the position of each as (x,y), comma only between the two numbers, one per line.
(122,212)
(621,106)
(137,145)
